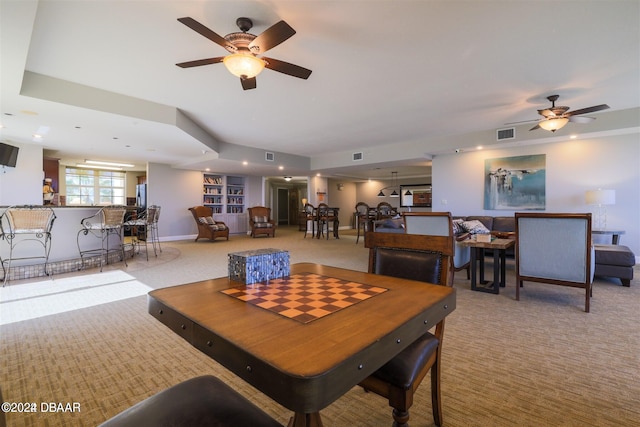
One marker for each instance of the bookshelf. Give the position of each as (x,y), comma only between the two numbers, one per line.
(225,194)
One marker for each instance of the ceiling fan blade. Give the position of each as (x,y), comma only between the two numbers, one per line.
(249,83)
(576,119)
(521,121)
(588,110)
(535,127)
(271,37)
(287,68)
(200,62)
(206,32)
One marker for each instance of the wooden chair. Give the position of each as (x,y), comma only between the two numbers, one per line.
(415,257)
(555,248)
(385,210)
(261,222)
(326,216)
(362,218)
(208,228)
(310,214)
(440,223)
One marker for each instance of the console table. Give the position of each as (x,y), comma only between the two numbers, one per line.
(615,234)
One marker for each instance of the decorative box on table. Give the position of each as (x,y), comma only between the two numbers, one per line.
(258,265)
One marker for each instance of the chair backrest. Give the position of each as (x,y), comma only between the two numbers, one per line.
(260,211)
(429,223)
(201,211)
(152,214)
(325,211)
(385,210)
(426,258)
(362,209)
(28,219)
(309,209)
(554,246)
(113,216)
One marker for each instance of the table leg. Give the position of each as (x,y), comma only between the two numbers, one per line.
(496,272)
(503,261)
(305,420)
(480,257)
(474,260)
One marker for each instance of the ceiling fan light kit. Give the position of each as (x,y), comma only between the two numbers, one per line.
(553,124)
(243,48)
(244,65)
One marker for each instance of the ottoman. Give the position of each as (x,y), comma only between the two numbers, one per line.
(615,261)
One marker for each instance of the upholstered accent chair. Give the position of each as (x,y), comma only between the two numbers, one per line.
(439,224)
(555,248)
(200,401)
(416,257)
(261,222)
(208,228)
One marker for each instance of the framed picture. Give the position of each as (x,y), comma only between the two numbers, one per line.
(515,183)
(415,196)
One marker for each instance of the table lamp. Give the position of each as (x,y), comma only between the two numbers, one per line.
(601,198)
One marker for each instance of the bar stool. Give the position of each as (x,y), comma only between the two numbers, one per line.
(107,222)
(142,228)
(23,225)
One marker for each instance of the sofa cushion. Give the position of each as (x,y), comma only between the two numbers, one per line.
(504,223)
(218,227)
(262,225)
(393,223)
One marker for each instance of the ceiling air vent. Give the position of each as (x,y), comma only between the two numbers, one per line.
(357,156)
(269,157)
(509,133)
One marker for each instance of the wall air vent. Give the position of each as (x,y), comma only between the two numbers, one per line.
(269,157)
(503,134)
(357,156)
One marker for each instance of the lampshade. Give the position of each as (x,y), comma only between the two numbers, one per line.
(553,124)
(381,194)
(600,197)
(394,193)
(243,64)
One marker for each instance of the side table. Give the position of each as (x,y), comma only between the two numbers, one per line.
(499,247)
(615,234)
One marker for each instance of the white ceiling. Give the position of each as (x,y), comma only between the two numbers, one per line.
(98,78)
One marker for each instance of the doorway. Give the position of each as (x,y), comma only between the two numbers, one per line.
(283,206)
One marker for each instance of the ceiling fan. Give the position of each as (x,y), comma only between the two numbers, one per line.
(555,118)
(244,47)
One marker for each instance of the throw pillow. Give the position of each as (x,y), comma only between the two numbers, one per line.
(475,227)
(258,219)
(457,226)
(206,220)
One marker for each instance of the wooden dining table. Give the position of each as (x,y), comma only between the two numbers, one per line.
(306,339)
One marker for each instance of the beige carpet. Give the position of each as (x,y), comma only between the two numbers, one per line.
(539,361)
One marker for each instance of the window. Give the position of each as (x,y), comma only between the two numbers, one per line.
(86,187)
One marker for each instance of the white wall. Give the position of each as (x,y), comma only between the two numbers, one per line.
(22,185)
(572,168)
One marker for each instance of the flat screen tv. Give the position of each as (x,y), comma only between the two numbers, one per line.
(8,155)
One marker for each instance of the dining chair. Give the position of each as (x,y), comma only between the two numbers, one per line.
(385,210)
(424,258)
(310,216)
(555,248)
(326,216)
(362,218)
(441,224)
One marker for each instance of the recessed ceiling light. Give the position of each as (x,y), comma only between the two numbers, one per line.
(98,162)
